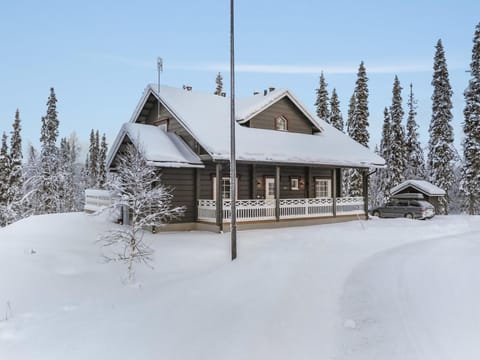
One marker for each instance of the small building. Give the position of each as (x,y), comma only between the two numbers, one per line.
(289,162)
(430,192)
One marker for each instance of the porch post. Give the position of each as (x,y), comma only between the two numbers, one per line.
(334,192)
(197,192)
(311,193)
(277,193)
(307,182)
(365,192)
(219,199)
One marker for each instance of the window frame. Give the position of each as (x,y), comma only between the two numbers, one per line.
(224,179)
(328,188)
(281,119)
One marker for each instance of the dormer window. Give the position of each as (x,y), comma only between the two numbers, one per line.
(281,123)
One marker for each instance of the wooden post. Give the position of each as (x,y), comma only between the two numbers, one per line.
(219,199)
(306,191)
(311,193)
(334,192)
(197,192)
(277,193)
(365,192)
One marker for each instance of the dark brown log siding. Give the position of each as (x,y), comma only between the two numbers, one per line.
(182,183)
(297,122)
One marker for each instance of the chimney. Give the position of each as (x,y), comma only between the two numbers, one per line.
(265,92)
(271,88)
(189,88)
(223,93)
(255,93)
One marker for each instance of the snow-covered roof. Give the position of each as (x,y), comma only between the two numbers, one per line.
(420,185)
(207,118)
(248,107)
(161,148)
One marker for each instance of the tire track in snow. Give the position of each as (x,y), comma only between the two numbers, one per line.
(416,301)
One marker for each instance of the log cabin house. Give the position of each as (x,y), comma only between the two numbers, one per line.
(289,162)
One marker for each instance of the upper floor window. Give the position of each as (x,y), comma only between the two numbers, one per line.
(281,123)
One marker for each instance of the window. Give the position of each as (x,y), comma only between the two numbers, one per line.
(281,123)
(225,184)
(323,188)
(294,183)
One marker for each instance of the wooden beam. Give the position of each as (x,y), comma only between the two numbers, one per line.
(365,192)
(277,193)
(334,192)
(196,192)
(219,199)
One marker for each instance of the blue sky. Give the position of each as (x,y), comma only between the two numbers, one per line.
(99,55)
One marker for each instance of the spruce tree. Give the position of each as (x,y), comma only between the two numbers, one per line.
(93,160)
(16,176)
(415,168)
(336,118)
(347,173)
(322,100)
(4,171)
(102,166)
(470,183)
(359,126)
(440,147)
(384,151)
(396,160)
(219,85)
(49,157)
(360,132)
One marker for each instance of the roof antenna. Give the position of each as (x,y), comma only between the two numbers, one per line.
(159,70)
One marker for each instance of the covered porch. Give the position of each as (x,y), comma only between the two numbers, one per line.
(253,210)
(277,193)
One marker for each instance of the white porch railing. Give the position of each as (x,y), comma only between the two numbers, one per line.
(308,207)
(96,200)
(350,206)
(262,209)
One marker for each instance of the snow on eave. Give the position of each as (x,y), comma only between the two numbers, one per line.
(420,185)
(151,90)
(268,100)
(178,153)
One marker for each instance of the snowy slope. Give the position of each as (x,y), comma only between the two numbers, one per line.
(395,289)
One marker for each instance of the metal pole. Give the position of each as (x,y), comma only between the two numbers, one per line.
(159,70)
(233,165)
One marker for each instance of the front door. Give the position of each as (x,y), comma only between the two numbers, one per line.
(269,188)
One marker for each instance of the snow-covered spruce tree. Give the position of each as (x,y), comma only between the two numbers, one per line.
(138,189)
(360,131)
(219,85)
(359,127)
(470,183)
(93,160)
(49,181)
(4,178)
(322,100)
(440,147)
(15,180)
(383,175)
(67,178)
(415,167)
(347,173)
(396,160)
(336,118)
(376,197)
(102,163)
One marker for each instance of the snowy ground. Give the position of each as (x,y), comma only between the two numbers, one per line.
(382,289)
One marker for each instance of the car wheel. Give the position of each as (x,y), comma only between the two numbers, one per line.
(376,213)
(409,215)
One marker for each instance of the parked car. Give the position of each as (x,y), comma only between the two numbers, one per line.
(411,206)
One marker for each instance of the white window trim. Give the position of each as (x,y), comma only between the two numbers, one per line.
(214,180)
(329,187)
(277,121)
(294,183)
